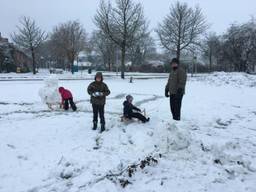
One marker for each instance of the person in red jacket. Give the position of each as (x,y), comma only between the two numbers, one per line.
(67,99)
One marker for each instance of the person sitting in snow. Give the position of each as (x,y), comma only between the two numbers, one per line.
(130,111)
(66,99)
(98,91)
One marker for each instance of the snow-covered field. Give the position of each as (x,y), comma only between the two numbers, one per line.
(212,149)
(81,75)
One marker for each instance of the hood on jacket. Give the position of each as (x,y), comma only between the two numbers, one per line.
(99,74)
(125,103)
(61,89)
(129,98)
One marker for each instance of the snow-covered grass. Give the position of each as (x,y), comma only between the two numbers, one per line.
(81,75)
(212,149)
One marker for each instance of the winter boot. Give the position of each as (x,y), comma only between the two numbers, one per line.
(102,128)
(94,126)
(145,120)
(73,106)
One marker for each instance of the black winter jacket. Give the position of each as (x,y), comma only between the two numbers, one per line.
(128,109)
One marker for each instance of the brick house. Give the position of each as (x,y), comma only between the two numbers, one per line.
(12,57)
(21,59)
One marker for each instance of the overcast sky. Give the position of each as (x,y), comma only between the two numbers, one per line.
(47,13)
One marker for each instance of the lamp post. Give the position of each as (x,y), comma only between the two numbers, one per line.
(6,59)
(42,62)
(194,65)
(1,66)
(117,60)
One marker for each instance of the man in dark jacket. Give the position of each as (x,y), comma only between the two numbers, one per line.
(175,88)
(129,109)
(98,91)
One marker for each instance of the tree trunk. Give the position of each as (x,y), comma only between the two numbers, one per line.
(210,62)
(71,60)
(72,68)
(178,52)
(109,63)
(33,61)
(72,65)
(178,55)
(122,62)
(179,38)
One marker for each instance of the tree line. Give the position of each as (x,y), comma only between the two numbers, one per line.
(122,34)
(235,50)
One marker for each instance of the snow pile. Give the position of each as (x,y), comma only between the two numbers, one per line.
(229,157)
(178,139)
(173,138)
(223,78)
(67,169)
(49,93)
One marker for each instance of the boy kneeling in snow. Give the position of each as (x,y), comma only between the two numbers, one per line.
(98,91)
(67,99)
(129,109)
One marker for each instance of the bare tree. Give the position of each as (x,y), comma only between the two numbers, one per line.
(238,48)
(248,33)
(181,28)
(105,47)
(142,49)
(2,57)
(69,39)
(29,37)
(210,49)
(121,24)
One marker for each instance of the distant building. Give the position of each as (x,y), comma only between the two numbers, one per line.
(128,64)
(3,40)
(82,61)
(21,59)
(155,63)
(11,57)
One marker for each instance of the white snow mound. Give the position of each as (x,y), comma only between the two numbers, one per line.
(178,138)
(49,93)
(173,138)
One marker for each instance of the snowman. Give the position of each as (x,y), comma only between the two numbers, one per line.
(49,94)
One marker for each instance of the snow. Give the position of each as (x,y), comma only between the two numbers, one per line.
(81,75)
(49,94)
(212,149)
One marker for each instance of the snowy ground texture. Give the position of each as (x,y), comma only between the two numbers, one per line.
(212,149)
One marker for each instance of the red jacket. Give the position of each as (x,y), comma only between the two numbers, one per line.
(65,94)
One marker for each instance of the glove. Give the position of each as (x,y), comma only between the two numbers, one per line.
(179,92)
(166,93)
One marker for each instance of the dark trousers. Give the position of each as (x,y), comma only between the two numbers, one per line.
(175,103)
(138,116)
(98,110)
(71,102)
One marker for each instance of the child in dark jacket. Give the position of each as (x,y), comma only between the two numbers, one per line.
(66,99)
(130,111)
(98,91)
